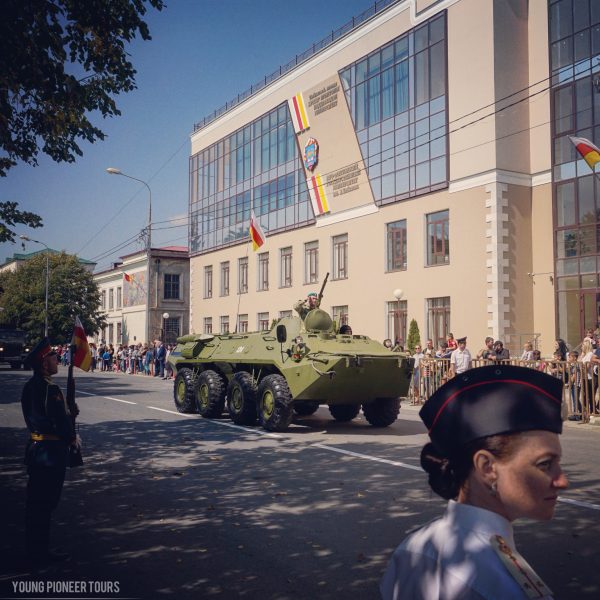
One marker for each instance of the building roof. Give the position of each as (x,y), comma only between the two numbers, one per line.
(26,256)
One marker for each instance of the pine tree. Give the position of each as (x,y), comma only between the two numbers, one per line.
(414,337)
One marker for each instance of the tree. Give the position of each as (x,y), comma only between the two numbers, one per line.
(414,337)
(62,59)
(11,216)
(72,292)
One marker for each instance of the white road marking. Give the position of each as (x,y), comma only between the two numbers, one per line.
(172,412)
(107,397)
(367,457)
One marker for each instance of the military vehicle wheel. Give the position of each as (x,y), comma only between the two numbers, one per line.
(241,399)
(183,391)
(382,412)
(275,410)
(304,409)
(210,394)
(344,412)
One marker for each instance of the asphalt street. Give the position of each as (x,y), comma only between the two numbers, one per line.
(176,506)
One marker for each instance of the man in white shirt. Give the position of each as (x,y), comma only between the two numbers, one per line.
(460,359)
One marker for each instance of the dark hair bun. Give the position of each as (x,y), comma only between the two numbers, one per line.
(442,476)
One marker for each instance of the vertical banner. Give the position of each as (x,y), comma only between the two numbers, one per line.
(318,197)
(298,112)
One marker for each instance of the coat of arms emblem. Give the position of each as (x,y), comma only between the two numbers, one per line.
(311,154)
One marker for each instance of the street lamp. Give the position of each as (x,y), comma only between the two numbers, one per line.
(28,239)
(114,171)
(398,294)
(165,316)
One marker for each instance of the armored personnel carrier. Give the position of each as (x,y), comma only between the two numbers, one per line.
(271,375)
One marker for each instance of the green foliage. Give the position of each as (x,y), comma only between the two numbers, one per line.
(62,59)
(12,216)
(72,292)
(414,337)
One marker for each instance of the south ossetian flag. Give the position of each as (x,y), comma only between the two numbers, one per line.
(81,351)
(256,233)
(298,112)
(589,152)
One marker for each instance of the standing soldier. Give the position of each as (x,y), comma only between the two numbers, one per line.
(303,307)
(47,455)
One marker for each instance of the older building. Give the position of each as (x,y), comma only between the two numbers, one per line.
(124,295)
(420,156)
(11,264)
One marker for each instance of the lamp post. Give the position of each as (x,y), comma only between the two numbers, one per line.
(398,294)
(163,332)
(114,171)
(28,239)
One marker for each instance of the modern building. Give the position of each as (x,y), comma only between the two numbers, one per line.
(124,294)
(11,264)
(420,156)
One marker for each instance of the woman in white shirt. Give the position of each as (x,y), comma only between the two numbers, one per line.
(495,455)
(587,351)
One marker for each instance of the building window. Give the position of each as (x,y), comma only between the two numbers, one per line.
(243,275)
(263,321)
(225,278)
(396,246)
(171,286)
(208,282)
(171,329)
(438,239)
(286,267)
(207,324)
(263,272)
(225,324)
(396,321)
(340,315)
(438,319)
(111,299)
(242,323)
(285,314)
(119,297)
(397,99)
(103,299)
(111,333)
(119,330)
(311,262)
(340,256)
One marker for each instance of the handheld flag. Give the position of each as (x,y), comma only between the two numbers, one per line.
(589,152)
(81,351)
(256,233)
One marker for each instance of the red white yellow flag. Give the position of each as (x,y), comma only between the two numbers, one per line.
(81,351)
(318,197)
(256,233)
(589,152)
(127,277)
(298,112)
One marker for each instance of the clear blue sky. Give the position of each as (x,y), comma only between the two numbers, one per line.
(203,53)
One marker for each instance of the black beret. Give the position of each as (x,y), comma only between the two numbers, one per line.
(38,353)
(490,400)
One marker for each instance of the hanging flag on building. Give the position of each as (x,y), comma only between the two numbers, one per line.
(298,112)
(81,351)
(589,152)
(127,277)
(318,197)
(256,233)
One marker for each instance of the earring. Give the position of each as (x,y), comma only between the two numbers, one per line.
(494,488)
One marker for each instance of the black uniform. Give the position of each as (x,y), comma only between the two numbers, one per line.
(46,457)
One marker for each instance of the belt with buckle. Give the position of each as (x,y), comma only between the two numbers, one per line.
(42,437)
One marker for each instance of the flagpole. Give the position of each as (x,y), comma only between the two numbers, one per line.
(239,292)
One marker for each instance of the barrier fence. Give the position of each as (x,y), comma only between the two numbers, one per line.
(580,382)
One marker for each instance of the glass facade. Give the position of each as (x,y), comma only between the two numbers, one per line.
(574,39)
(258,167)
(397,98)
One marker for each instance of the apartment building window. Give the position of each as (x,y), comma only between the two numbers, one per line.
(286,267)
(243,275)
(103,300)
(111,333)
(397,313)
(171,329)
(285,313)
(207,324)
(263,321)
(243,324)
(225,278)
(396,246)
(119,332)
(340,256)
(103,338)
(438,318)
(119,297)
(311,262)
(340,315)
(225,324)
(208,282)
(171,286)
(438,238)
(263,272)
(111,299)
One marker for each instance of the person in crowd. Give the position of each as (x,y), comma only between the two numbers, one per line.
(500,352)
(527,351)
(416,378)
(51,432)
(94,353)
(590,378)
(168,365)
(460,359)
(488,350)
(451,342)
(574,383)
(106,357)
(387,343)
(149,360)
(591,336)
(303,307)
(398,345)
(540,364)
(442,350)
(160,353)
(561,346)
(346,329)
(495,456)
